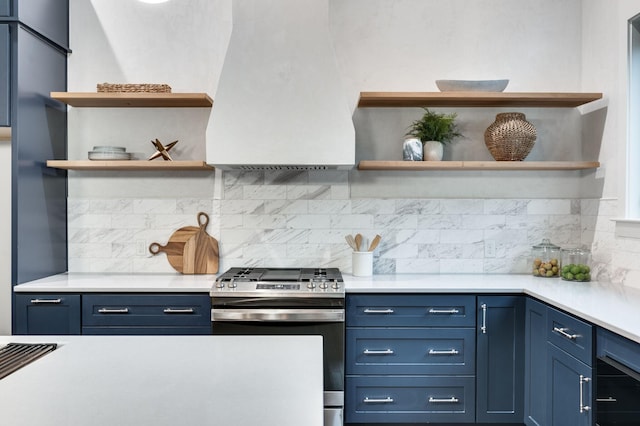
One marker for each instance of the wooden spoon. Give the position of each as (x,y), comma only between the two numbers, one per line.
(351,241)
(374,242)
(358,241)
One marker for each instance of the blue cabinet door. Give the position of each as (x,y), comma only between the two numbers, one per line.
(49,18)
(569,395)
(535,381)
(500,359)
(5,75)
(47,314)
(39,193)
(5,7)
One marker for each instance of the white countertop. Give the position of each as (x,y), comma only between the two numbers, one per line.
(167,380)
(611,306)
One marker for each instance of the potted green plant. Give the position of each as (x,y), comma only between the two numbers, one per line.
(434,130)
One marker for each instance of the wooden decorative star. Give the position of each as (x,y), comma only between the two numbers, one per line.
(162,151)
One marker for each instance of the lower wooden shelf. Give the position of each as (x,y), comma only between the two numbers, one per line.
(128,165)
(477,165)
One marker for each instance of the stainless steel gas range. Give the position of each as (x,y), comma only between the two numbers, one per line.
(289,301)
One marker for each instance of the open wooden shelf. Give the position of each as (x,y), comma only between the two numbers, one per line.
(475,99)
(128,165)
(476,165)
(134,100)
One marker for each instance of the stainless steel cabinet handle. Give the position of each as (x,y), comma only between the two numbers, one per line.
(378,311)
(583,381)
(451,311)
(443,400)
(178,311)
(378,352)
(43,301)
(386,400)
(607,399)
(563,333)
(483,328)
(113,310)
(443,352)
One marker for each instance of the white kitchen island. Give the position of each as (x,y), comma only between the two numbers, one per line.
(167,380)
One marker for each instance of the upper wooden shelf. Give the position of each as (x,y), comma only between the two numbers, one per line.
(133,100)
(128,165)
(477,165)
(475,99)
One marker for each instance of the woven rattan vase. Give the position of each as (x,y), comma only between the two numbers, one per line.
(510,137)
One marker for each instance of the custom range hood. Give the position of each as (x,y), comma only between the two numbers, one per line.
(280,103)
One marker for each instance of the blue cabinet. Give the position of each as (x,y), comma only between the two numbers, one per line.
(558,368)
(47,314)
(5,75)
(49,18)
(569,395)
(410,358)
(500,359)
(39,194)
(535,404)
(146,314)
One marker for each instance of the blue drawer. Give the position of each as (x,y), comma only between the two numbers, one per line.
(618,348)
(166,310)
(571,335)
(411,310)
(410,399)
(412,351)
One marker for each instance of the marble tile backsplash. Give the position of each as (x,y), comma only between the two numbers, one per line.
(293,218)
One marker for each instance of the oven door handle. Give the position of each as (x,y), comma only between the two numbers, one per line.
(277,315)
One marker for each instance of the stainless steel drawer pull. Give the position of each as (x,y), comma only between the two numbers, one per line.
(178,311)
(378,352)
(451,311)
(450,400)
(583,381)
(386,400)
(43,301)
(443,352)
(378,311)
(483,328)
(607,399)
(563,333)
(113,310)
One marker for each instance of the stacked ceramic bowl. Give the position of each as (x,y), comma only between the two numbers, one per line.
(103,152)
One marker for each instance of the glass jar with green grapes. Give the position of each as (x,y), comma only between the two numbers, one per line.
(576,264)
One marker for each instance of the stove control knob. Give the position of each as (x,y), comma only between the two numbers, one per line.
(335,285)
(311,285)
(220,284)
(232,284)
(323,285)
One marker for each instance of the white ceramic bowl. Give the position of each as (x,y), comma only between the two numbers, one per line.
(472,85)
(103,148)
(109,155)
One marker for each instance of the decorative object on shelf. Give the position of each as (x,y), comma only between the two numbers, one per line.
(137,88)
(510,137)
(110,153)
(190,249)
(162,151)
(434,130)
(472,85)
(412,149)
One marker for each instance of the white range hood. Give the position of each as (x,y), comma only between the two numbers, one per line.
(280,102)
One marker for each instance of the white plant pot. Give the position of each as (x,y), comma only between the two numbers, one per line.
(432,151)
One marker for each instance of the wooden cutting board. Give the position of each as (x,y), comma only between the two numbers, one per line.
(201,253)
(175,246)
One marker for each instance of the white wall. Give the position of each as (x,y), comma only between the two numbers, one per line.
(5,236)
(605,26)
(380,45)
